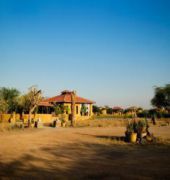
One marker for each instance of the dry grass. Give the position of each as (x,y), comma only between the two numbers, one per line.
(102,123)
(82,153)
(114,122)
(5,126)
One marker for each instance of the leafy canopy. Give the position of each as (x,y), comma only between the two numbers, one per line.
(162,97)
(8,99)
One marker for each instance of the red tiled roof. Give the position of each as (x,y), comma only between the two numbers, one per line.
(117,108)
(45,103)
(65,97)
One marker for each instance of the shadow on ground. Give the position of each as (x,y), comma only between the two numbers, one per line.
(113,138)
(83,160)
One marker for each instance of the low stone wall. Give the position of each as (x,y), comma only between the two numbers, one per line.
(45,118)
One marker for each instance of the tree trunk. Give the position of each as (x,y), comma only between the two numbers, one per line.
(1,118)
(73,97)
(30,114)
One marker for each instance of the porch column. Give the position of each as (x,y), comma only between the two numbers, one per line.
(91,110)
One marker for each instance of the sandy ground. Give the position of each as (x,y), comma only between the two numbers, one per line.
(81,153)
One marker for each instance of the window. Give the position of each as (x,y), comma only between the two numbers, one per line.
(77,109)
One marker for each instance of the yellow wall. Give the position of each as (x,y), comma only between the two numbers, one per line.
(79,109)
(45,118)
(7,117)
(104,112)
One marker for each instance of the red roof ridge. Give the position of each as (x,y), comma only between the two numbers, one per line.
(117,107)
(78,97)
(65,97)
(45,103)
(49,99)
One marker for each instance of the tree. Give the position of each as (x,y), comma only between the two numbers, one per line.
(9,99)
(73,99)
(109,110)
(3,108)
(23,104)
(96,109)
(162,97)
(30,101)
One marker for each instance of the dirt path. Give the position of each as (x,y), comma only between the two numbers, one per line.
(81,153)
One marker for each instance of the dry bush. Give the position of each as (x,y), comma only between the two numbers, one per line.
(160,122)
(4,126)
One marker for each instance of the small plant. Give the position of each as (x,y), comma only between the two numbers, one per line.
(131,131)
(139,128)
(84,109)
(67,109)
(142,127)
(58,110)
(132,127)
(64,120)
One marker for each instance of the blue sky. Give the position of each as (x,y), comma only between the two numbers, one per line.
(110,51)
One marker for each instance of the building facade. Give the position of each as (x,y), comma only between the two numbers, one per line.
(83,107)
